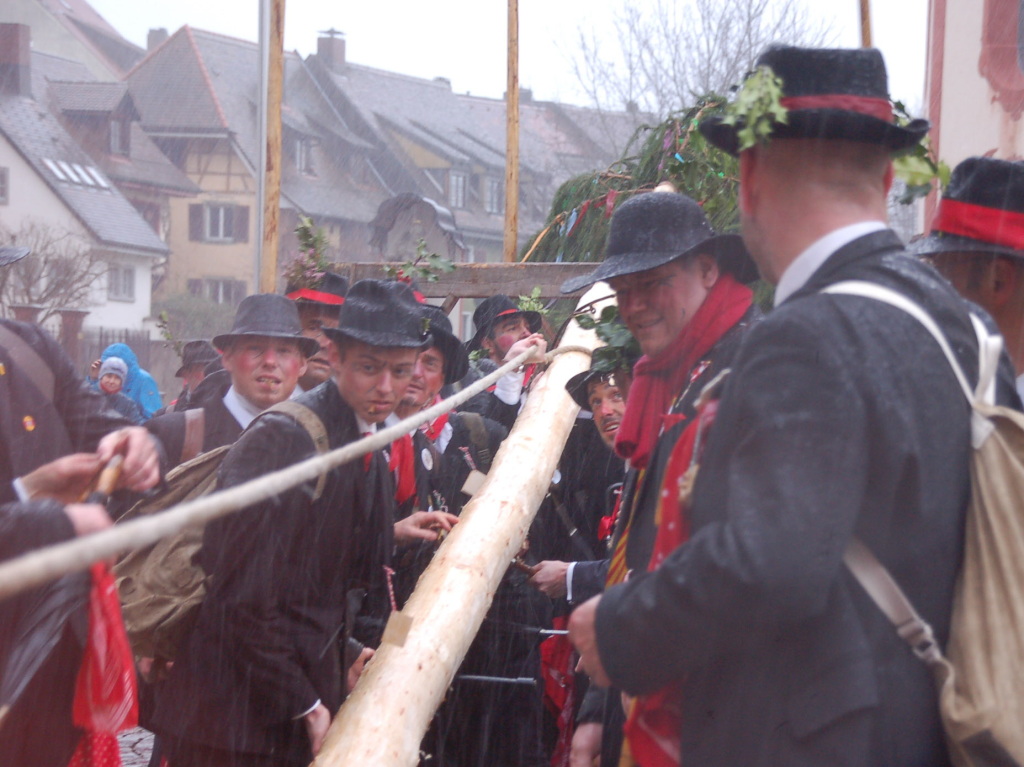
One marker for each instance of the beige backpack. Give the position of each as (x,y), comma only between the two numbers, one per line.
(980,678)
(161,586)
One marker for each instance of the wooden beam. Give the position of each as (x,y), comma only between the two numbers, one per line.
(865,23)
(272,189)
(512,137)
(482,280)
(383,721)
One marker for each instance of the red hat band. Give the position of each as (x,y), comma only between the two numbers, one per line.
(991,225)
(316,295)
(864,105)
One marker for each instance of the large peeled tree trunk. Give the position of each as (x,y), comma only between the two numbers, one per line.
(384,720)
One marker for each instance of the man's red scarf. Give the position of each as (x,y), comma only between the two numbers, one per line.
(659,379)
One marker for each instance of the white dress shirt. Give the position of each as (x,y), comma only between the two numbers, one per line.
(807,263)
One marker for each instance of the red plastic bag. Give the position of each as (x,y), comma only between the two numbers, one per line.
(105,693)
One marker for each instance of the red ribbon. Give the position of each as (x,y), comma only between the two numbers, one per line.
(865,105)
(993,225)
(316,295)
(402,465)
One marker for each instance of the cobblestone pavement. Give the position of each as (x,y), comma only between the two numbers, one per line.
(136,746)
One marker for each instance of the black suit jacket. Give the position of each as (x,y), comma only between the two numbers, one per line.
(841,418)
(265,645)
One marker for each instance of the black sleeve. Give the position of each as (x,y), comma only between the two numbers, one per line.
(31,525)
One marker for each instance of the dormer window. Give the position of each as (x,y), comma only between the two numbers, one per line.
(304,155)
(120,133)
(456,189)
(494,201)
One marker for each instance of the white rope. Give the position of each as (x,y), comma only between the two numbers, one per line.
(43,565)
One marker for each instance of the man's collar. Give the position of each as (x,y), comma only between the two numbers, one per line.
(241,408)
(807,263)
(363,426)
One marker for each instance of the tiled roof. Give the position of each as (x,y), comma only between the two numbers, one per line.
(147,167)
(199,81)
(70,173)
(72,89)
(88,97)
(86,25)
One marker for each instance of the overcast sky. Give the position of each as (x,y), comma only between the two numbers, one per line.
(464,40)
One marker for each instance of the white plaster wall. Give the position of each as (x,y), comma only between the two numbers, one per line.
(32,200)
(972,122)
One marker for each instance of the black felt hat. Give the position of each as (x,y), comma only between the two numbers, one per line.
(10,255)
(196,353)
(981,210)
(381,313)
(329,291)
(830,93)
(490,310)
(269,315)
(456,360)
(577,386)
(653,228)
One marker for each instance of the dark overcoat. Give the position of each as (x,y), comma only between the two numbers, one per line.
(220,427)
(841,418)
(35,430)
(265,645)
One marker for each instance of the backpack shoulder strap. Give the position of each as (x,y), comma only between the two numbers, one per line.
(478,436)
(989,348)
(884,592)
(195,428)
(311,422)
(28,361)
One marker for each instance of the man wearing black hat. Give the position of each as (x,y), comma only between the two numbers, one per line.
(195,356)
(840,417)
(977,243)
(258,679)
(319,307)
(56,434)
(503,331)
(263,356)
(679,288)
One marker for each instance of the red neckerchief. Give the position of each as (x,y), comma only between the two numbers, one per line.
(434,428)
(657,380)
(401,464)
(655,720)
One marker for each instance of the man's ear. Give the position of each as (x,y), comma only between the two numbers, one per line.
(1003,280)
(887,179)
(707,266)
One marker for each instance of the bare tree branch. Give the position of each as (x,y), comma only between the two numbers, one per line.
(60,273)
(672,52)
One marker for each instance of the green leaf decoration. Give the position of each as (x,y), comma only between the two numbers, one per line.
(757,108)
(532,302)
(425,267)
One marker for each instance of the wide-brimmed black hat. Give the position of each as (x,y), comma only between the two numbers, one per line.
(490,310)
(456,360)
(577,386)
(981,210)
(381,313)
(653,228)
(329,291)
(830,93)
(269,315)
(196,353)
(10,255)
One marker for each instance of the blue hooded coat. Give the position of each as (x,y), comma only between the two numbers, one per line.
(139,385)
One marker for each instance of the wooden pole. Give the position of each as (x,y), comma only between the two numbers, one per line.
(385,718)
(865,23)
(512,136)
(272,191)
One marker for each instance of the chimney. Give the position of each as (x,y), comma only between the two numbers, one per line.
(525,95)
(331,50)
(15,60)
(155,38)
